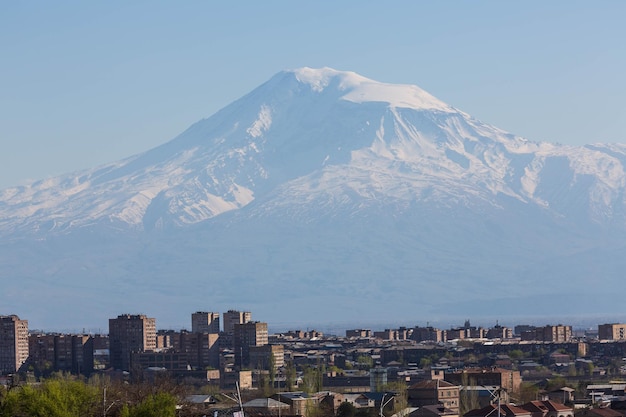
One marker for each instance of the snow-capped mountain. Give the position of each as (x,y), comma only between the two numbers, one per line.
(321,181)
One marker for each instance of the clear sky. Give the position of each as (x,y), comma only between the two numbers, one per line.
(85,83)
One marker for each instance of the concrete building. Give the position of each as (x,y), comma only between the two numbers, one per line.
(559,333)
(129,334)
(612,331)
(358,333)
(428,334)
(434,392)
(246,335)
(499,332)
(202,349)
(508,379)
(13,343)
(233,317)
(260,357)
(205,322)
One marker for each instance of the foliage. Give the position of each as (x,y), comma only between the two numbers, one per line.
(555,383)
(516,354)
(425,362)
(366,412)
(365,361)
(346,410)
(290,376)
(312,379)
(156,405)
(400,401)
(468,399)
(53,398)
(528,392)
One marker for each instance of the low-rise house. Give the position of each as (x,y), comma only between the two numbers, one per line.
(564,395)
(433,411)
(266,407)
(434,392)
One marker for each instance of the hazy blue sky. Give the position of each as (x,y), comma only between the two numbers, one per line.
(85,83)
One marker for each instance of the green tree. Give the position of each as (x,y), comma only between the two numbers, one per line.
(468,398)
(310,379)
(400,396)
(290,376)
(346,410)
(53,398)
(528,392)
(161,404)
(365,361)
(555,383)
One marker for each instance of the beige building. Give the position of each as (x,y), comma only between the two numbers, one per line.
(203,349)
(233,317)
(260,357)
(508,379)
(247,335)
(13,343)
(612,331)
(433,392)
(205,322)
(357,333)
(130,334)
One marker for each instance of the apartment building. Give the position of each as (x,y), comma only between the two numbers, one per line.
(129,334)
(612,331)
(233,317)
(245,336)
(433,392)
(205,322)
(549,333)
(13,343)
(261,357)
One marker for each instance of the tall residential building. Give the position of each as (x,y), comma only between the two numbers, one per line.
(205,322)
(232,317)
(558,333)
(612,331)
(267,357)
(13,343)
(246,335)
(423,334)
(127,334)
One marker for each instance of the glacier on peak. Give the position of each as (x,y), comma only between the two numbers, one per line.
(359,89)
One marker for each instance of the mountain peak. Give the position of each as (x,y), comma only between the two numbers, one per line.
(359,89)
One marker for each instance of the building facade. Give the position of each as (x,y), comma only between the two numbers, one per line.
(612,331)
(205,322)
(13,343)
(433,392)
(130,334)
(233,317)
(246,335)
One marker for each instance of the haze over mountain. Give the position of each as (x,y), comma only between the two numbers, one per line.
(323,196)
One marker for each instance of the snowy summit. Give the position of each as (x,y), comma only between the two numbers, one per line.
(359,89)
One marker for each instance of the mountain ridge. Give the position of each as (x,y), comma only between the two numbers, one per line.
(324,185)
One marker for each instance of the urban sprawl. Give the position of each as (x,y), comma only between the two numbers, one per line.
(231,365)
